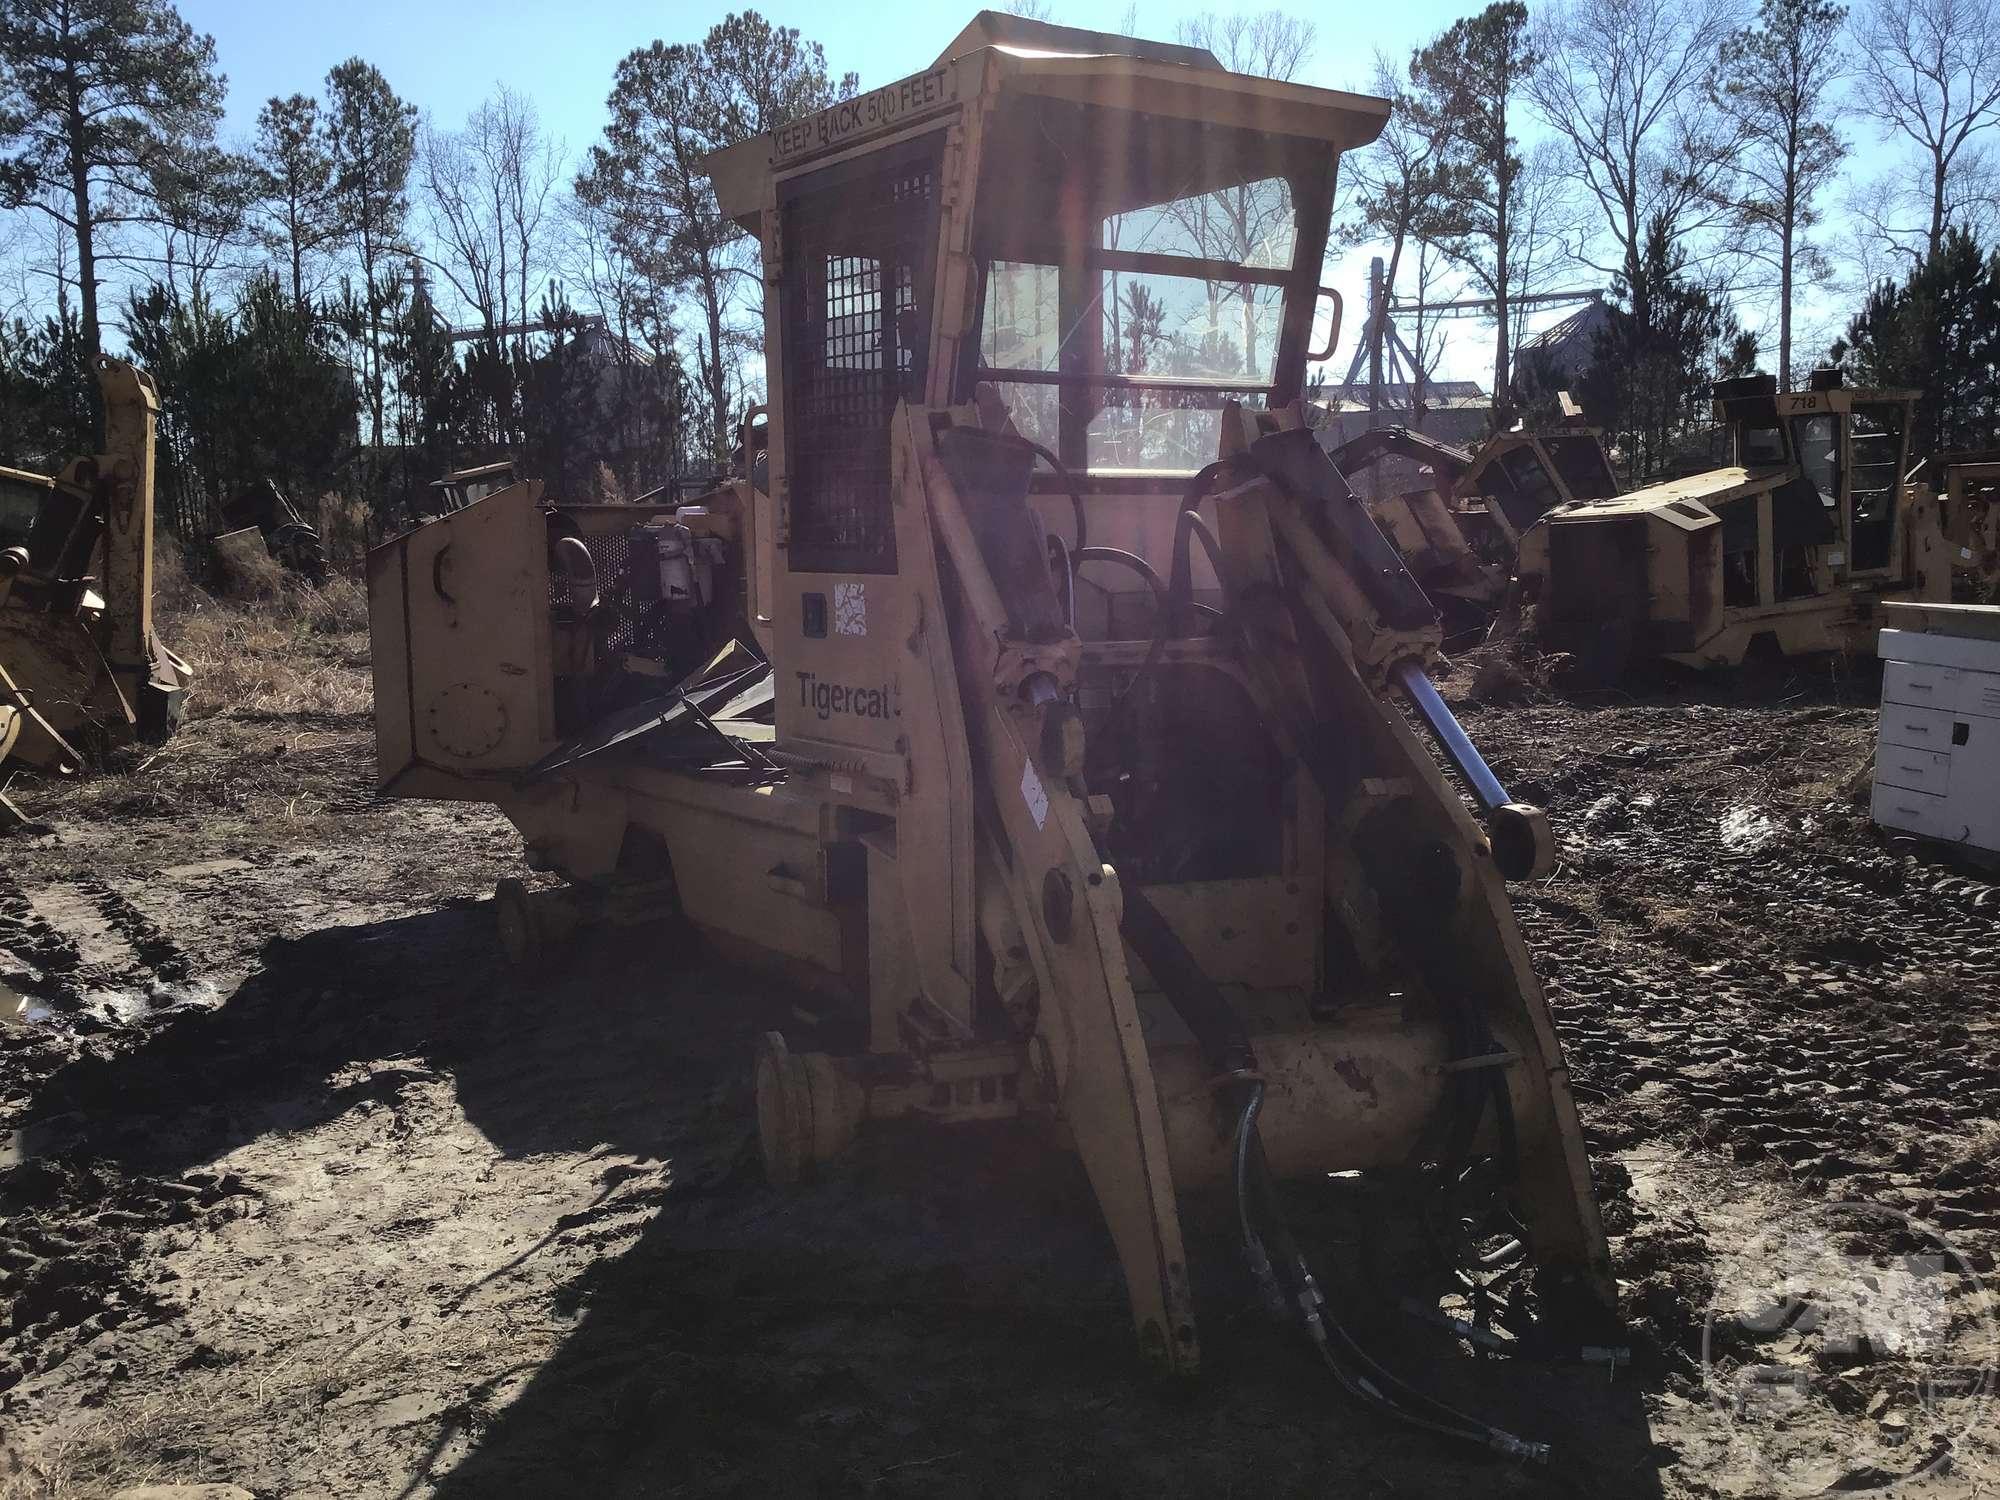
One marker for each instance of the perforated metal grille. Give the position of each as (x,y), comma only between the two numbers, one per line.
(859,259)
(628,625)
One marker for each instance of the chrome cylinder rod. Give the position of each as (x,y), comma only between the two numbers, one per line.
(1458,749)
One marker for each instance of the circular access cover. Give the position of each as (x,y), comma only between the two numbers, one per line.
(468,720)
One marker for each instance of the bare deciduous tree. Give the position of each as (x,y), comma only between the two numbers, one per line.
(1395,193)
(1776,87)
(1624,84)
(1929,71)
(487,190)
(200,213)
(1251,223)
(1270,44)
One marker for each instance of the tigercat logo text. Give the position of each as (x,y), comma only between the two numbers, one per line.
(829,698)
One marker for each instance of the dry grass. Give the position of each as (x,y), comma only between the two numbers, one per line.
(1508,672)
(303,651)
(345,532)
(281,692)
(234,1419)
(126,1443)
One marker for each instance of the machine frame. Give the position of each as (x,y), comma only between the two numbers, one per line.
(915,797)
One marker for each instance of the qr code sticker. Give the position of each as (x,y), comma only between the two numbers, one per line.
(850,609)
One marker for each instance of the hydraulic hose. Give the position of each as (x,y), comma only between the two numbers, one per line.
(1218,1029)
(1180,587)
(1162,610)
(1064,562)
(1372,1383)
(1070,485)
(1180,571)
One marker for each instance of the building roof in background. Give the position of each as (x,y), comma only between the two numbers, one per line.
(1571,336)
(1439,395)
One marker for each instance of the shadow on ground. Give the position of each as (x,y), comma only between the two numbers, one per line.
(942,1311)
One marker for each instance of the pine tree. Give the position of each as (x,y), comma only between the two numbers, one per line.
(93,93)
(295,180)
(1776,87)
(670,107)
(1462,90)
(1938,332)
(1652,363)
(372,140)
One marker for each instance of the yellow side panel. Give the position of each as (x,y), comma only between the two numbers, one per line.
(461,640)
(753,880)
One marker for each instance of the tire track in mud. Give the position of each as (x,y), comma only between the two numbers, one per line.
(98,960)
(83,959)
(1850,1050)
(1745,973)
(44,957)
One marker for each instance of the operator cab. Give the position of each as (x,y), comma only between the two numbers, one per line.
(1111,242)
(1836,518)
(464,487)
(1145,246)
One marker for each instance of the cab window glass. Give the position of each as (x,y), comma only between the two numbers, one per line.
(1817,439)
(1760,447)
(1248,224)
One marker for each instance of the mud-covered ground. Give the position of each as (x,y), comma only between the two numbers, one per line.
(310,1195)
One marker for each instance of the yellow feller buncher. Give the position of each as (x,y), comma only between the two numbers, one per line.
(1789,550)
(1460,536)
(80,668)
(1968,488)
(1054,703)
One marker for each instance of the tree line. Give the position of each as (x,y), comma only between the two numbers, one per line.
(357,298)
(1691,155)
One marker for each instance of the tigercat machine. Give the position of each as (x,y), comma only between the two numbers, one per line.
(80,668)
(1789,550)
(1460,535)
(1052,701)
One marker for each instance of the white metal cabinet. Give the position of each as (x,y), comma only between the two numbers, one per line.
(1937,752)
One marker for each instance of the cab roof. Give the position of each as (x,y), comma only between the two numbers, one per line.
(1026,37)
(1067,66)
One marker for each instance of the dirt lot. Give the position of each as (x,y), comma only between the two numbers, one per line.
(309,1195)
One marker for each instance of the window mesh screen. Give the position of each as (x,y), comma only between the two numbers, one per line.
(858,271)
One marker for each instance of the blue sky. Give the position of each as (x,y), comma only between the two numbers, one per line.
(447,55)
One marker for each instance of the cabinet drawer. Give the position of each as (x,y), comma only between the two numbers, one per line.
(1918,728)
(1913,770)
(1912,812)
(1921,684)
(1979,693)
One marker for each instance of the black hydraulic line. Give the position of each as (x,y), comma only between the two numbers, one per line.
(1246,1133)
(1062,472)
(1162,611)
(1253,1244)
(1374,1383)
(1061,557)
(1124,559)
(1217,1028)
(1180,573)
(1180,584)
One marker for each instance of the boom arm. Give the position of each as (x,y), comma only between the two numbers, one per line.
(125,490)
